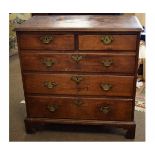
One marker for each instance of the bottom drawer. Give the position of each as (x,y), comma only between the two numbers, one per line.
(79,108)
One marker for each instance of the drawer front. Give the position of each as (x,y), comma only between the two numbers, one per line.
(46,41)
(79,108)
(71,84)
(111,63)
(107,42)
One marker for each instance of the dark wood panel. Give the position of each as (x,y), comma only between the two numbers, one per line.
(89,84)
(33,124)
(57,42)
(88,108)
(80,62)
(119,42)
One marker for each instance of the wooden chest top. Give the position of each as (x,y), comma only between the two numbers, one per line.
(81,23)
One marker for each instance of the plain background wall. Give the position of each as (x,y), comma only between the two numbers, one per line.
(141,17)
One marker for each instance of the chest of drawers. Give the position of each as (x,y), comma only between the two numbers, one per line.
(79,70)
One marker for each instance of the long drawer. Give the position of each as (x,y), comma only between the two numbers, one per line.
(78,62)
(74,84)
(79,108)
(107,42)
(46,41)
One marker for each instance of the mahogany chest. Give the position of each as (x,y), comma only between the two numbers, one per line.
(79,70)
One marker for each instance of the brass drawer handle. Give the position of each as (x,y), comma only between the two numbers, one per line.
(77,79)
(78,102)
(105,109)
(46,39)
(48,62)
(49,84)
(77,58)
(52,108)
(106,39)
(107,62)
(106,86)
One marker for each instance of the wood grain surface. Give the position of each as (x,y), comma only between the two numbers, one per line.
(119,110)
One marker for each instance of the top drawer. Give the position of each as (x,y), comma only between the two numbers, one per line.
(107,42)
(46,41)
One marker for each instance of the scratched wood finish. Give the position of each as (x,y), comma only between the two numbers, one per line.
(90,62)
(89,85)
(81,23)
(58,42)
(120,42)
(90,108)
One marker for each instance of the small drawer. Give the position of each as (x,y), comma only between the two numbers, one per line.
(79,108)
(81,62)
(107,42)
(46,41)
(73,84)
